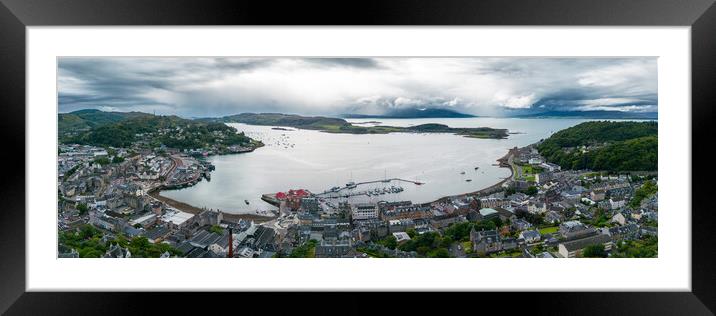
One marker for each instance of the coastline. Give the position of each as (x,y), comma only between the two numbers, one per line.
(505,162)
(184,207)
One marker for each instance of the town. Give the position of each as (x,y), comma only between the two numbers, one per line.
(109,206)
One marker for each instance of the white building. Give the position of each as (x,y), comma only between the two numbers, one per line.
(401,236)
(363,211)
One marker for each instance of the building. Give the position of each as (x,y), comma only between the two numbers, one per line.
(488,213)
(401,236)
(597,195)
(485,241)
(537,207)
(530,236)
(543,177)
(575,230)
(619,219)
(364,211)
(492,202)
(616,203)
(574,248)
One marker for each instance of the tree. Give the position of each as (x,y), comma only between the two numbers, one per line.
(594,251)
(389,242)
(216,229)
(510,191)
(438,253)
(532,190)
(82,207)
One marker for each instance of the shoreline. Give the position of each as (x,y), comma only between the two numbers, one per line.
(188,208)
(504,163)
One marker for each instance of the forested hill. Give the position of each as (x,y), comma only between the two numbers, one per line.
(604,145)
(86,119)
(154,131)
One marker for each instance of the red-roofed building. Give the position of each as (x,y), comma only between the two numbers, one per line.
(293,197)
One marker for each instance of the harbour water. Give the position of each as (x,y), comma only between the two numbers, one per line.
(302,159)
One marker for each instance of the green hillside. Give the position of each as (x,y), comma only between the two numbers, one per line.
(154,131)
(86,119)
(604,145)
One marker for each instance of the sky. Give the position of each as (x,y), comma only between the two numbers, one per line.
(209,87)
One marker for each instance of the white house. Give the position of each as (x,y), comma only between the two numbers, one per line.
(619,219)
(530,236)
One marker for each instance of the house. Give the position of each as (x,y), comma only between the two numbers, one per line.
(492,202)
(543,177)
(401,236)
(552,217)
(616,203)
(629,231)
(648,231)
(537,207)
(597,195)
(333,249)
(574,248)
(520,224)
(485,241)
(116,251)
(509,243)
(446,220)
(363,211)
(550,167)
(400,225)
(530,236)
(574,230)
(619,219)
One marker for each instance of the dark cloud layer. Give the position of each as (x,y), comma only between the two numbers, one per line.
(483,86)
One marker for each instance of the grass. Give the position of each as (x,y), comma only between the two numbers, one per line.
(548,230)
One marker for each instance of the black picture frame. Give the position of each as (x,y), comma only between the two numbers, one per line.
(16,15)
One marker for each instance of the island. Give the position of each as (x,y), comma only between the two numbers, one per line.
(338,125)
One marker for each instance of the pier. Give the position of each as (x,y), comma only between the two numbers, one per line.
(354,185)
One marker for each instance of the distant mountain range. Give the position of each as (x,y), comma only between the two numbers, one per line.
(413,113)
(593,115)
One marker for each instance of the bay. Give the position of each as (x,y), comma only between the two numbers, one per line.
(318,161)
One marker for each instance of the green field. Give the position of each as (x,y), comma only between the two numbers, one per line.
(548,230)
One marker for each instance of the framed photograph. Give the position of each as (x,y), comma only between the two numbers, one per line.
(185,147)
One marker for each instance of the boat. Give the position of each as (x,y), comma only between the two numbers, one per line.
(468,180)
(462,172)
(246,201)
(477,168)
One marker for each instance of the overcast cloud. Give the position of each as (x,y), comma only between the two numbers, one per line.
(197,87)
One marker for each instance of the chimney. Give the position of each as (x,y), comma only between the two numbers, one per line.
(231,243)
